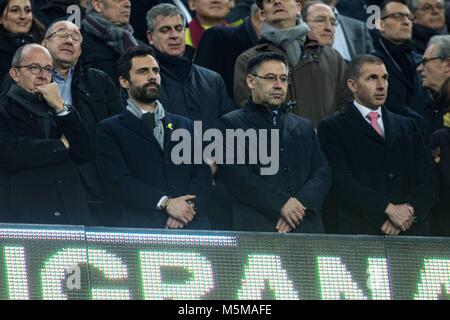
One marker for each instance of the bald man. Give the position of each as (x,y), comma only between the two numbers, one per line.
(42,140)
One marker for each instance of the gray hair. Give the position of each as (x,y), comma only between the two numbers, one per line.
(414,4)
(165,10)
(442,42)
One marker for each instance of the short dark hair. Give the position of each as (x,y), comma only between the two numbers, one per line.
(384,4)
(124,62)
(355,66)
(254,64)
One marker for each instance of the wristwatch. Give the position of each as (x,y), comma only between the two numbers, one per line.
(65,108)
(165,202)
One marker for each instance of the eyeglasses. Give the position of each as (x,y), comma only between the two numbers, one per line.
(399,16)
(36,69)
(284,79)
(424,61)
(428,8)
(77,38)
(323,20)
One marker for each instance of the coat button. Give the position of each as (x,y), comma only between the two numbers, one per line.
(282,149)
(391,175)
(59,181)
(57,214)
(286,168)
(290,189)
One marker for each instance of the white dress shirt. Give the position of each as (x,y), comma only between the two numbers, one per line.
(365,111)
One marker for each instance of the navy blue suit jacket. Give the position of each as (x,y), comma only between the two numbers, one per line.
(137,172)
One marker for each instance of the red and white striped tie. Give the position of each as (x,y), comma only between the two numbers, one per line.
(373,117)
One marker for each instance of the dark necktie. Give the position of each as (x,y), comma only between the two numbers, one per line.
(149,120)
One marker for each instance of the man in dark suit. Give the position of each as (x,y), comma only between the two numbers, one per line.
(188,89)
(290,197)
(220,46)
(382,174)
(135,160)
(406,95)
(42,139)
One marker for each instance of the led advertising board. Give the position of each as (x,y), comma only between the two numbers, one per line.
(76,262)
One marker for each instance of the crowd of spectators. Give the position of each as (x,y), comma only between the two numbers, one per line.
(361,99)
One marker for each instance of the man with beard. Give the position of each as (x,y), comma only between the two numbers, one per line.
(382,175)
(134,155)
(42,140)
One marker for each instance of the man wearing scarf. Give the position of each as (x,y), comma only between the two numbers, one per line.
(42,140)
(187,89)
(317,72)
(107,34)
(406,95)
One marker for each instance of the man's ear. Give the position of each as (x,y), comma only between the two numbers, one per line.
(192,5)
(379,24)
(250,81)
(44,43)
(150,38)
(298,6)
(124,83)
(14,75)
(447,67)
(97,5)
(351,84)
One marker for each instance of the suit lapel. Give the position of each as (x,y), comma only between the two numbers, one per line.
(349,40)
(355,118)
(137,126)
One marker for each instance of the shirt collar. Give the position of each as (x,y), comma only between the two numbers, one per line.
(58,77)
(364,110)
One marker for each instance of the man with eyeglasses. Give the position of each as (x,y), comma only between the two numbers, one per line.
(42,140)
(435,69)
(314,68)
(90,91)
(406,95)
(429,21)
(289,200)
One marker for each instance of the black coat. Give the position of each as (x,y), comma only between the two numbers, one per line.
(220,46)
(406,96)
(370,172)
(9,43)
(39,181)
(97,54)
(433,117)
(303,173)
(136,172)
(440,151)
(421,35)
(192,91)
